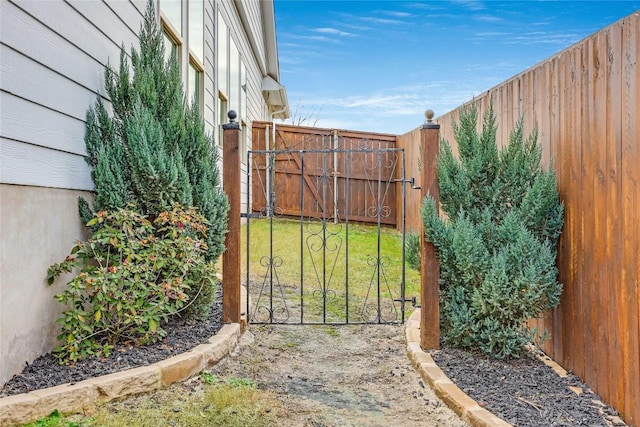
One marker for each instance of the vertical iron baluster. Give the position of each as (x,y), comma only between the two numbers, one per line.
(324,237)
(249,165)
(403,230)
(271,203)
(347,195)
(379,212)
(301,237)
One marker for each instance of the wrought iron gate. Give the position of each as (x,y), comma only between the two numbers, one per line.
(306,273)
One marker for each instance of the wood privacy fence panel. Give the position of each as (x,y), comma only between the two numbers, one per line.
(410,142)
(317,193)
(585,102)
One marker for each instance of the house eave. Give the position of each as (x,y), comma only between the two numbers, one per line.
(275,95)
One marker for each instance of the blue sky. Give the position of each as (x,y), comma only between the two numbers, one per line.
(378,65)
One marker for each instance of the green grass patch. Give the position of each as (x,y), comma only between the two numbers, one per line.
(331,331)
(236,402)
(334,270)
(208,378)
(53,420)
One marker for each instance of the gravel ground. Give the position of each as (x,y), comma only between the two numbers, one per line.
(330,376)
(353,375)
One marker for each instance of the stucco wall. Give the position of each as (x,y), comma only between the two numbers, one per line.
(38,227)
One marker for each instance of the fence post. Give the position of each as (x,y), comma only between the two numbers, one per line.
(231,299)
(429,266)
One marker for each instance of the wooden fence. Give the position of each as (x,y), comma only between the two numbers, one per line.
(325,196)
(585,102)
(411,143)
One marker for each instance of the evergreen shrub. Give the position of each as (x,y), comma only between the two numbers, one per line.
(412,250)
(153,150)
(150,148)
(497,240)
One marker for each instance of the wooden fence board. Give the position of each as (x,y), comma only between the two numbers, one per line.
(628,297)
(410,142)
(596,366)
(586,103)
(612,247)
(318,190)
(570,157)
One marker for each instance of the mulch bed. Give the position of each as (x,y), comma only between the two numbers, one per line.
(524,392)
(45,371)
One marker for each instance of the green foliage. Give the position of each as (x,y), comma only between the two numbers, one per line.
(241,383)
(363,240)
(54,419)
(412,250)
(497,245)
(209,378)
(153,151)
(133,274)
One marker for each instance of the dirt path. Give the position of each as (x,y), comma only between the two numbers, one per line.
(338,376)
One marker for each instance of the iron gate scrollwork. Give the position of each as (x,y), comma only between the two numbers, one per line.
(305,272)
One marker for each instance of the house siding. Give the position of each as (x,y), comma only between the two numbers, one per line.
(49,79)
(256,109)
(52,59)
(210,95)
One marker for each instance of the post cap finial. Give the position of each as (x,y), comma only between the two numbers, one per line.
(429,116)
(233,124)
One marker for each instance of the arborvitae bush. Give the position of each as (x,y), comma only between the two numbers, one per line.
(152,150)
(497,240)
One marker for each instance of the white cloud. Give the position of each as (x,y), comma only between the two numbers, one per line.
(492,34)
(381,21)
(290,45)
(396,14)
(487,18)
(425,6)
(332,31)
(394,110)
(320,39)
(540,37)
(470,4)
(348,23)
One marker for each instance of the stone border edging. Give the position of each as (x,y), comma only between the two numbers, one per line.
(467,409)
(75,397)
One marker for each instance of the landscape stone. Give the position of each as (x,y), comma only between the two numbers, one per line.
(131,381)
(180,367)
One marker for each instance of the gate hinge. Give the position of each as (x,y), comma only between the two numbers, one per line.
(410,181)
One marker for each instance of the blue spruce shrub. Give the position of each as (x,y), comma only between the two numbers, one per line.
(497,241)
(152,151)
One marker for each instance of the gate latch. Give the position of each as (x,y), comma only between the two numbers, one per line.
(250,215)
(413,301)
